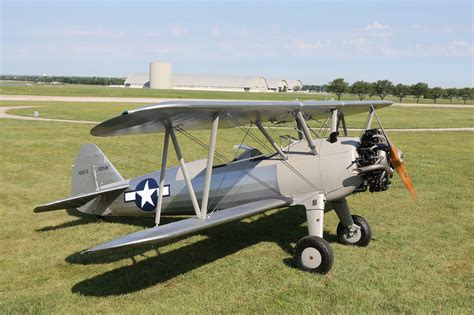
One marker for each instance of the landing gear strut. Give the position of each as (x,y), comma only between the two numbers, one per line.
(359,234)
(352,229)
(313,253)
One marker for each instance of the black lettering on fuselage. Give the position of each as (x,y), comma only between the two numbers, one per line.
(83,172)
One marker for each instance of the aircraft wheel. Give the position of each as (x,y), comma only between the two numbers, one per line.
(360,236)
(314,254)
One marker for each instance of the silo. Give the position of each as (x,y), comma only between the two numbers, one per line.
(161,76)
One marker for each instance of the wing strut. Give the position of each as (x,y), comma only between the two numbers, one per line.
(162,176)
(306,132)
(369,118)
(184,170)
(342,120)
(270,139)
(334,126)
(210,161)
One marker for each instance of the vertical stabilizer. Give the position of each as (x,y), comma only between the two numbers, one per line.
(92,170)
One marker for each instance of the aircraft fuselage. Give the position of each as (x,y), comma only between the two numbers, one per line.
(329,171)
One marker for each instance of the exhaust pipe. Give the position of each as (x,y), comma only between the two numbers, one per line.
(380,165)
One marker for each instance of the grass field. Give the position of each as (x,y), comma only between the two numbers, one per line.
(87,90)
(394,117)
(420,259)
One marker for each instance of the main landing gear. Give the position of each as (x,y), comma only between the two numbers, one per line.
(313,253)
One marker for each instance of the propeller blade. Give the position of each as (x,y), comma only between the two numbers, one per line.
(397,161)
(399,166)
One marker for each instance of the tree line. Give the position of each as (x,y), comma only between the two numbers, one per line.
(383,88)
(65,79)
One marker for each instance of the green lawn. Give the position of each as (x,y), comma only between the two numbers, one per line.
(420,259)
(91,90)
(392,117)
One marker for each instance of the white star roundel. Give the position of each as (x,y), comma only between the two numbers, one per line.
(145,194)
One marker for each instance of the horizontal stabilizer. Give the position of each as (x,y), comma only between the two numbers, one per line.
(192,225)
(79,200)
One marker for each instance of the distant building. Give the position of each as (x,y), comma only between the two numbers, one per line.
(220,83)
(137,81)
(161,76)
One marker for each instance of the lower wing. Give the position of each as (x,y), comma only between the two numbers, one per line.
(191,225)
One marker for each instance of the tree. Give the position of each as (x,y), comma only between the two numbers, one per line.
(338,87)
(360,88)
(450,94)
(418,90)
(435,93)
(382,88)
(466,94)
(296,88)
(400,91)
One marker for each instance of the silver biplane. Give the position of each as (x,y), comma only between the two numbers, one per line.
(313,171)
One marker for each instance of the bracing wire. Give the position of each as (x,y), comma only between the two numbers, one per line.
(288,165)
(224,159)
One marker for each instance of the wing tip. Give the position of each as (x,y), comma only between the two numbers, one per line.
(46,208)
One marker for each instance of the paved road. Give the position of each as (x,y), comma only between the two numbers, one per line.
(4,114)
(89,99)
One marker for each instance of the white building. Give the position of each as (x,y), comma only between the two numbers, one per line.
(161,72)
(137,81)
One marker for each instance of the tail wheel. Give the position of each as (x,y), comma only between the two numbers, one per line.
(359,235)
(314,254)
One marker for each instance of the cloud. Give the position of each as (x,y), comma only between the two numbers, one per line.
(455,48)
(376,26)
(310,46)
(395,53)
(460,44)
(460,47)
(437,29)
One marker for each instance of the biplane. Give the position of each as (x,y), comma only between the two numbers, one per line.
(310,170)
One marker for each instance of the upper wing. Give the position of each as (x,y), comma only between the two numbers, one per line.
(192,225)
(191,115)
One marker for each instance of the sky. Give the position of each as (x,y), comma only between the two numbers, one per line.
(314,41)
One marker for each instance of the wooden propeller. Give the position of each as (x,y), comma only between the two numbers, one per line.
(397,161)
(399,166)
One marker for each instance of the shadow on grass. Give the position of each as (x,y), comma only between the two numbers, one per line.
(83,219)
(283,227)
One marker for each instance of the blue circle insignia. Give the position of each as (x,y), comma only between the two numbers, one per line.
(146,194)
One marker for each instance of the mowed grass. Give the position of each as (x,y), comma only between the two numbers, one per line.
(420,258)
(94,90)
(392,117)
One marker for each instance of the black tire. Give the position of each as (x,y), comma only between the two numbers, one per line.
(361,240)
(314,254)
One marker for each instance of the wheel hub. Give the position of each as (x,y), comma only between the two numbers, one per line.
(353,234)
(311,257)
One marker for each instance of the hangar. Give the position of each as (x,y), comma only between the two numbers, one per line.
(220,83)
(161,77)
(137,81)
